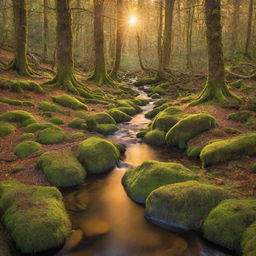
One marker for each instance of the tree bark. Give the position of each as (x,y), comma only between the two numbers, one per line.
(215,88)
(46,29)
(249,29)
(235,24)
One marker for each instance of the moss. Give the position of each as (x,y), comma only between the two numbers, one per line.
(4,249)
(226,223)
(131,111)
(62,169)
(78,123)
(129,103)
(98,155)
(188,128)
(57,120)
(253,168)
(17,169)
(155,96)
(193,151)
(69,102)
(141,134)
(166,119)
(141,101)
(152,113)
(77,135)
(102,118)
(26,136)
(183,205)
(51,136)
(6,129)
(15,102)
(155,138)
(241,116)
(139,182)
(50,107)
(160,88)
(232,131)
(47,114)
(25,148)
(229,149)
(48,224)
(236,84)
(119,116)
(31,86)
(249,241)
(106,129)
(18,116)
(39,126)
(82,115)
(147,81)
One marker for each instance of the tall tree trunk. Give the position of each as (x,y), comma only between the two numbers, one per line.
(139,46)
(249,30)
(20,62)
(64,49)
(215,88)
(160,40)
(119,38)
(235,24)
(46,29)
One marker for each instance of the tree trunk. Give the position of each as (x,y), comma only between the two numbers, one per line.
(139,45)
(235,24)
(215,88)
(20,62)
(46,29)
(249,29)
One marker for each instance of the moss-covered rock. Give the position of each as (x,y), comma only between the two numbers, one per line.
(102,118)
(240,116)
(129,103)
(183,205)
(57,120)
(249,241)
(69,102)
(77,135)
(51,136)
(193,151)
(24,118)
(119,116)
(15,102)
(230,130)
(38,126)
(188,128)
(155,138)
(82,115)
(106,129)
(78,123)
(6,128)
(34,216)
(131,111)
(4,249)
(26,136)
(98,155)
(155,96)
(229,149)
(226,223)
(139,182)
(141,134)
(62,169)
(50,107)
(25,148)
(141,101)
(152,113)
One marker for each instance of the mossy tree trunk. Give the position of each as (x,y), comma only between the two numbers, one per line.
(20,61)
(64,49)
(249,30)
(46,29)
(215,88)
(100,75)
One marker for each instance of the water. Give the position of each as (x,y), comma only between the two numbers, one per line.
(112,224)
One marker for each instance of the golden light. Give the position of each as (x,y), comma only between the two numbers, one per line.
(133,20)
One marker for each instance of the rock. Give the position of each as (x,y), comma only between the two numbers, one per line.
(240,116)
(185,205)
(155,138)
(226,223)
(131,111)
(39,126)
(68,101)
(188,128)
(229,149)
(155,96)
(34,216)
(193,151)
(98,155)
(62,169)
(51,136)
(6,129)
(106,129)
(50,107)
(249,241)
(119,116)
(18,116)
(139,182)
(152,113)
(26,148)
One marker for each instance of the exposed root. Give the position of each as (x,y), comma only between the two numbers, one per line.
(103,80)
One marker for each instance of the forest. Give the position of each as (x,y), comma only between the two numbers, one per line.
(127,127)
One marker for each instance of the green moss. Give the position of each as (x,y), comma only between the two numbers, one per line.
(26,136)
(131,111)
(102,118)
(82,115)
(249,241)
(17,169)
(31,86)
(160,88)
(77,135)
(240,116)
(15,102)
(183,205)
(236,84)
(78,123)
(69,101)
(188,128)
(193,151)
(98,155)
(4,249)
(62,169)
(232,131)
(155,96)
(229,149)
(57,120)
(119,116)
(18,116)
(50,107)
(48,224)
(155,138)
(106,129)
(6,129)
(141,101)
(51,136)
(226,223)
(152,113)
(39,126)
(129,103)
(25,148)
(139,182)
(253,168)
(147,81)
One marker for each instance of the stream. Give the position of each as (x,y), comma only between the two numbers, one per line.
(112,224)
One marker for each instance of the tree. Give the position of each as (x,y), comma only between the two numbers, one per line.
(249,29)
(46,29)
(20,62)
(64,49)
(215,88)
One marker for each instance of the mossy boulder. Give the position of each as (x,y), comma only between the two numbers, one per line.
(193,151)
(249,241)
(129,103)
(240,116)
(101,118)
(34,216)
(155,96)
(51,136)
(229,149)
(98,155)
(6,129)
(188,128)
(24,118)
(26,136)
(183,205)
(141,101)
(227,222)
(106,129)
(57,120)
(131,111)
(62,169)
(139,182)
(38,126)
(50,107)
(155,138)
(119,116)
(25,148)
(82,114)
(4,249)
(78,123)
(68,101)
(77,135)
(15,102)
(152,113)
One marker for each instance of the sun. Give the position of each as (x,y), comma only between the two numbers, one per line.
(133,20)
